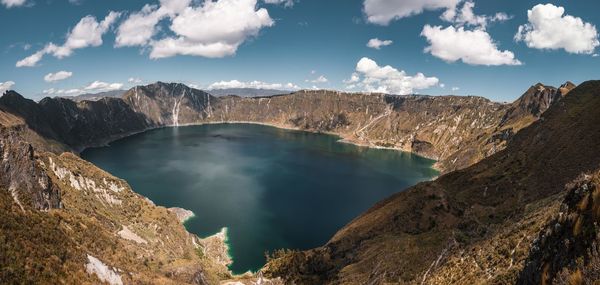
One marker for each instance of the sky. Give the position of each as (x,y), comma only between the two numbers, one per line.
(494,49)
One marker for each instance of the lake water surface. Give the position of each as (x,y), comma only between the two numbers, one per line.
(272,188)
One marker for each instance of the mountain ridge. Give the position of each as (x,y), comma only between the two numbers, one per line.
(448,219)
(435,127)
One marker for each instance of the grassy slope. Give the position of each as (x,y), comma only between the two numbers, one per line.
(401,237)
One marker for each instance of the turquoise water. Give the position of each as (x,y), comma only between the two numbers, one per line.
(271,188)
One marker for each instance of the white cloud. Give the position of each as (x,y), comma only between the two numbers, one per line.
(5,86)
(442,85)
(94,87)
(354,78)
(382,12)
(550,28)
(58,76)
(454,89)
(474,47)
(100,86)
(139,27)
(252,84)
(213,29)
(386,79)
(466,16)
(13,3)
(377,43)
(286,3)
(87,33)
(33,59)
(320,79)
(134,80)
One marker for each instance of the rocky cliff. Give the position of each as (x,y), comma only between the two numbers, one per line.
(477,225)
(457,131)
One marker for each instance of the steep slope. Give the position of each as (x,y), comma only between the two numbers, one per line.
(457,131)
(64,221)
(75,124)
(413,234)
(566,249)
(170,104)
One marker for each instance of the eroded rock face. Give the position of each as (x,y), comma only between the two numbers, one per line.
(76,124)
(23,175)
(456,130)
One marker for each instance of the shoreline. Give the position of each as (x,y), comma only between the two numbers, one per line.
(341,139)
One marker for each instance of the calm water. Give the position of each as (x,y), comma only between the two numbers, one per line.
(271,188)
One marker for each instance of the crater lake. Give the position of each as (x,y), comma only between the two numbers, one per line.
(271,188)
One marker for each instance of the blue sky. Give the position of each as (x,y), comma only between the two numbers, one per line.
(299,44)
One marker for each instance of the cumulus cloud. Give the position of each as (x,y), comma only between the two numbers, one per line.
(58,76)
(100,86)
(213,29)
(5,86)
(320,79)
(371,77)
(466,16)
(139,28)
(13,3)
(252,84)
(94,87)
(286,3)
(87,33)
(382,12)
(474,47)
(549,28)
(377,43)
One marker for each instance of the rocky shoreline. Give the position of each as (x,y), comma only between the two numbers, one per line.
(182,214)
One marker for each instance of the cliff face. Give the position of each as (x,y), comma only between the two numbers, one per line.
(170,104)
(75,124)
(457,131)
(487,214)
